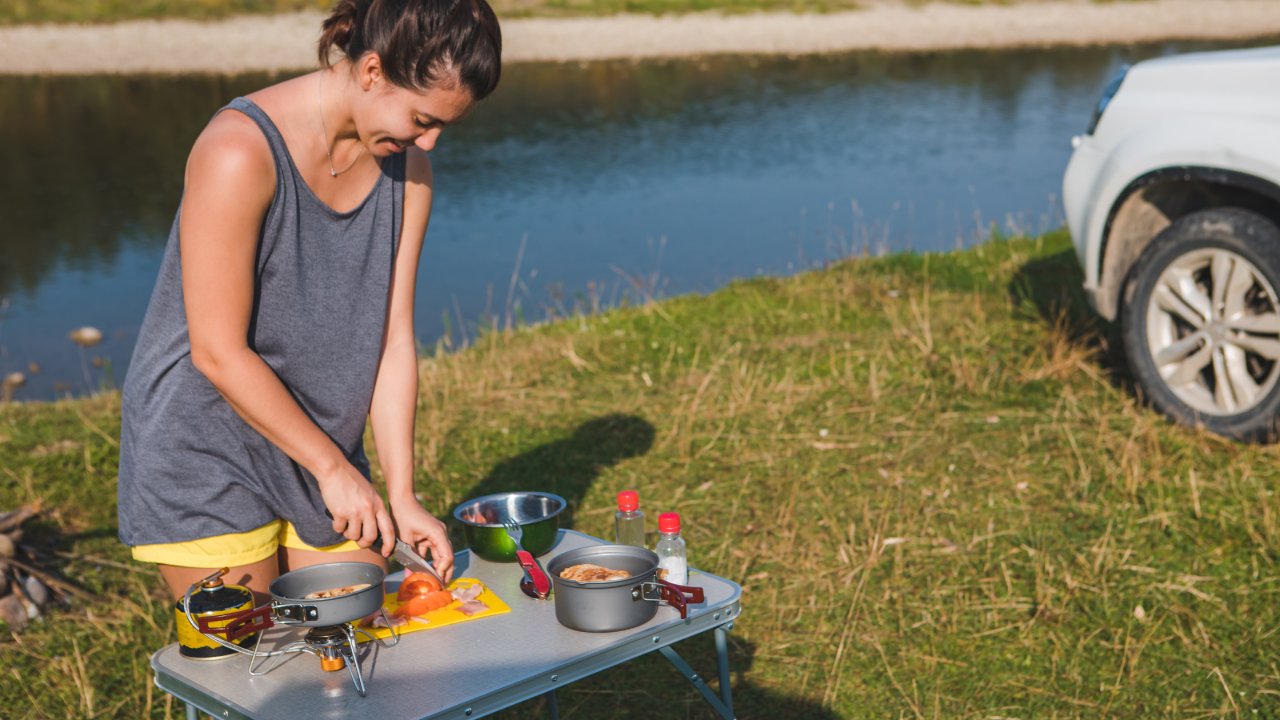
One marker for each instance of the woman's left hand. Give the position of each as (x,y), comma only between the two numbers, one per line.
(427,534)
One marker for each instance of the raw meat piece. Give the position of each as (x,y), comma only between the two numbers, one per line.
(378,620)
(471,607)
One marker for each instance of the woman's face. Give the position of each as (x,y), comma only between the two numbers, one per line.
(392,118)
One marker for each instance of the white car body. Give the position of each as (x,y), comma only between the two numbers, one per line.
(1180,134)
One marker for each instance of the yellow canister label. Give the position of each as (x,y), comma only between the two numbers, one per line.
(190,637)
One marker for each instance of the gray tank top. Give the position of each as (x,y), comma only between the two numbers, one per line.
(190,467)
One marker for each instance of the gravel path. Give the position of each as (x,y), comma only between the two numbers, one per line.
(286,42)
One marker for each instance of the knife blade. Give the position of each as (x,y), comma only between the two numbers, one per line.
(408,557)
(404,553)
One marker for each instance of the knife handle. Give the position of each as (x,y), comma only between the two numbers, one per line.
(377,542)
(396,550)
(540,581)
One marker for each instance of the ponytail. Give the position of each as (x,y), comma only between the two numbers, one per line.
(422,43)
(336,31)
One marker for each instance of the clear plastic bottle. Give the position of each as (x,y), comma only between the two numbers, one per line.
(671,549)
(628,522)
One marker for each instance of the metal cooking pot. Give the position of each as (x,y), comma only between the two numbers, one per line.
(537,514)
(617,604)
(288,590)
(288,606)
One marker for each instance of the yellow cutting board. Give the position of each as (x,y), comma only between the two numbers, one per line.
(447,615)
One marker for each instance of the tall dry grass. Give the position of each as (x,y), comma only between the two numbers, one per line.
(928,473)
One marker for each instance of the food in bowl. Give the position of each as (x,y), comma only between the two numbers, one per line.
(588,573)
(335,592)
(483,519)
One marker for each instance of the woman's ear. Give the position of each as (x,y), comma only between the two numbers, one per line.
(369,71)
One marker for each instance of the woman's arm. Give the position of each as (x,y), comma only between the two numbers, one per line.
(395,393)
(230,182)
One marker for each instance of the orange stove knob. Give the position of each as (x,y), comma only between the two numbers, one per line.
(332,664)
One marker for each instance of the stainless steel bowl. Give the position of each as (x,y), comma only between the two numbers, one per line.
(537,514)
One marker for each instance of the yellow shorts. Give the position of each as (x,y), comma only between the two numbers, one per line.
(232,549)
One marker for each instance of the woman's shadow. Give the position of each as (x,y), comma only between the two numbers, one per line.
(568,467)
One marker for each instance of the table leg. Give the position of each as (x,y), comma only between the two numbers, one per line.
(698,683)
(722,660)
(553,705)
(192,713)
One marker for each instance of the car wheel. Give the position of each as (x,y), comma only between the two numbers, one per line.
(1201,322)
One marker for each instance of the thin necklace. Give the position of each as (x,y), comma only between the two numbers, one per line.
(324,132)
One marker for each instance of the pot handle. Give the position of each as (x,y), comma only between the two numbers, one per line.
(294,613)
(540,582)
(679,596)
(245,622)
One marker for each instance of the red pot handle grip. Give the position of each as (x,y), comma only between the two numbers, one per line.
(540,581)
(245,622)
(679,596)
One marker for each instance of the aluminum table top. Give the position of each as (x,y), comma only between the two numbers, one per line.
(458,671)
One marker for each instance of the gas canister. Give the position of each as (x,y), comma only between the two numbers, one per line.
(219,603)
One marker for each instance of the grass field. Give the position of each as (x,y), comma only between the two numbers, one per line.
(928,473)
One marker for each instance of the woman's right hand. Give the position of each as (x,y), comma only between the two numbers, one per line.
(358,511)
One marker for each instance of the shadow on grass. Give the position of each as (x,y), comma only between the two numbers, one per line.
(636,688)
(568,467)
(749,700)
(49,548)
(1053,286)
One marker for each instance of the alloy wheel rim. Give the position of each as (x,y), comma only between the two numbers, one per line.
(1213,331)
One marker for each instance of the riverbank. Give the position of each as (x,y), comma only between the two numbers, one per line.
(926,472)
(286,42)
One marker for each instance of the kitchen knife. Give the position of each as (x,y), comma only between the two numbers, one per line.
(408,557)
(412,561)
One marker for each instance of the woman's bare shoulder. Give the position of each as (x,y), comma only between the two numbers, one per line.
(232,150)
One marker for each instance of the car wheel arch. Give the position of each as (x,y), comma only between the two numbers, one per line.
(1156,199)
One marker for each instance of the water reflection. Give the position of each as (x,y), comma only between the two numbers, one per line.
(689,173)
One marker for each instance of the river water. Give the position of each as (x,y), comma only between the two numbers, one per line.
(573,187)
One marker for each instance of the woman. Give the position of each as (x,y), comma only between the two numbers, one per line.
(283,315)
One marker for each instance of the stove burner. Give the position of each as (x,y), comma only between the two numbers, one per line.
(330,645)
(325,636)
(336,646)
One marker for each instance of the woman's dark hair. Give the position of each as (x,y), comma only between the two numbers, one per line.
(422,43)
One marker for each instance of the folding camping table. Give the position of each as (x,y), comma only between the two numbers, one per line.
(466,670)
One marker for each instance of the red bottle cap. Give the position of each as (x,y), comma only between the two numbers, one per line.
(669,522)
(628,500)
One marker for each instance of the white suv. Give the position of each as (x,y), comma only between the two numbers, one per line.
(1173,200)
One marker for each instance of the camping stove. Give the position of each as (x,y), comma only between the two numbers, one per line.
(336,647)
(331,633)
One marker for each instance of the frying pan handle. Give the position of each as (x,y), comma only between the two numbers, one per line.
(294,613)
(245,622)
(679,596)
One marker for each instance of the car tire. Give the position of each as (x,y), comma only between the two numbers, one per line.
(1201,323)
